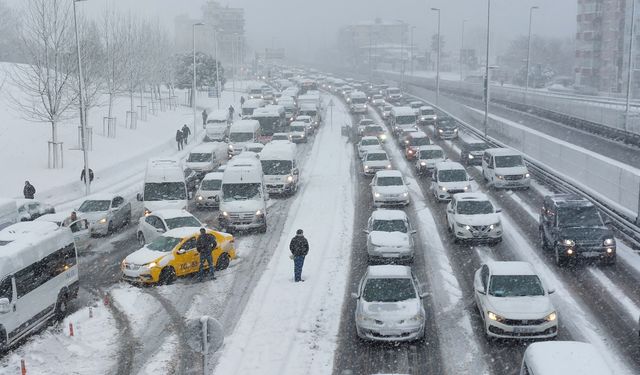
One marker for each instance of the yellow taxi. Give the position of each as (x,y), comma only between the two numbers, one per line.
(174,254)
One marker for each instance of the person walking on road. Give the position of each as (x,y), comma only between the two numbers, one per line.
(83,178)
(29,191)
(241,101)
(204,117)
(205,244)
(299,248)
(179,139)
(186,132)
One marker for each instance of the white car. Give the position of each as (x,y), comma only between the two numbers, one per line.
(472,217)
(363,123)
(389,188)
(105,213)
(377,100)
(159,222)
(389,237)
(389,305)
(210,190)
(79,227)
(253,147)
(308,121)
(375,160)
(513,302)
(564,357)
(30,209)
(427,157)
(367,144)
(449,178)
(280,137)
(427,115)
(298,132)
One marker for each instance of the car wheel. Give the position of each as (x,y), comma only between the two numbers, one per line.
(263,229)
(61,307)
(167,276)
(141,240)
(449,229)
(456,240)
(110,227)
(223,262)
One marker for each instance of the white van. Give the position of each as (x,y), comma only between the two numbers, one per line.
(403,119)
(505,168)
(8,212)
(244,198)
(241,133)
(206,157)
(38,277)
(217,125)
(250,105)
(279,168)
(164,186)
(358,102)
(563,357)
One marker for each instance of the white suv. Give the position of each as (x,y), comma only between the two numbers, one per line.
(471,216)
(210,190)
(513,302)
(375,160)
(389,188)
(448,179)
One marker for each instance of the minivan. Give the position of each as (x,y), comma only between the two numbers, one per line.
(471,151)
(241,133)
(505,168)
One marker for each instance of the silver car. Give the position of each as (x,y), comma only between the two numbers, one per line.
(389,237)
(105,213)
(389,305)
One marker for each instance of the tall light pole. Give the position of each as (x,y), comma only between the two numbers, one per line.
(438,58)
(462,50)
(486,73)
(526,86)
(215,52)
(234,47)
(193,88)
(83,125)
(629,73)
(412,28)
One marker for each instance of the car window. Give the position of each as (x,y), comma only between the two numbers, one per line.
(159,224)
(484,276)
(151,220)
(515,286)
(189,244)
(6,288)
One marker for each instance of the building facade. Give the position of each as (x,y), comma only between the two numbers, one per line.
(374,43)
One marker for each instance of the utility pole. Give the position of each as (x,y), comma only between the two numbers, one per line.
(486,73)
(526,86)
(412,28)
(438,59)
(629,73)
(462,51)
(193,87)
(215,52)
(83,125)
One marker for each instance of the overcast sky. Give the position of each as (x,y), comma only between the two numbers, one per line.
(298,24)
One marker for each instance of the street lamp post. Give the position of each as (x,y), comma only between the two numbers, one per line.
(486,73)
(462,50)
(193,88)
(526,86)
(412,28)
(215,52)
(438,59)
(629,73)
(83,125)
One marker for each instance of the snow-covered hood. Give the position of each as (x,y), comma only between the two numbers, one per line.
(369,148)
(391,312)
(376,163)
(162,205)
(389,239)
(520,307)
(297,134)
(249,205)
(94,216)
(144,256)
(586,234)
(473,220)
(511,171)
(455,185)
(208,193)
(199,166)
(390,190)
(406,126)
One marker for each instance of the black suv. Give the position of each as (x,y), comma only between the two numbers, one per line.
(446,128)
(471,151)
(572,228)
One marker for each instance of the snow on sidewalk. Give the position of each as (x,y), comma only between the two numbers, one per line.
(292,328)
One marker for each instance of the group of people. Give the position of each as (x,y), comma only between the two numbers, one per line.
(182,136)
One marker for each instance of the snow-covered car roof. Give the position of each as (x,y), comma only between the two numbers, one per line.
(244,126)
(298,123)
(101,197)
(388,271)
(425,107)
(171,213)
(449,165)
(247,146)
(472,197)
(502,151)
(377,151)
(369,138)
(213,176)
(382,214)
(304,117)
(566,357)
(389,173)
(430,148)
(203,148)
(182,232)
(22,201)
(511,268)
(403,111)
(366,121)
(217,114)
(57,217)
(417,104)
(418,134)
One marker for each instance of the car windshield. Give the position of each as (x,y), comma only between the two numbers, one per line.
(199,158)
(297,128)
(586,216)
(474,207)
(94,206)
(405,120)
(366,122)
(358,100)
(416,105)
(389,226)
(390,181)
(377,97)
(276,167)
(431,154)
(374,129)
(508,161)
(231,192)
(447,123)
(211,184)
(164,243)
(370,142)
(377,156)
(419,141)
(427,112)
(164,191)
(452,175)
(308,112)
(280,137)
(388,290)
(181,222)
(393,91)
(240,137)
(515,286)
(477,146)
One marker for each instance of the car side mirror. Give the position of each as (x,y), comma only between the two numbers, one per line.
(551,291)
(471,178)
(498,210)
(190,195)
(296,171)
(5,305)
(181,251)
(424,294)
(366,231)
(139,197)
(160,230)
(451,211)
(355,295)
(413,231)
(480,290)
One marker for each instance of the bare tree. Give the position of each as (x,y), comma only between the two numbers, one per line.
(113,41)
(93,66)
(46,43)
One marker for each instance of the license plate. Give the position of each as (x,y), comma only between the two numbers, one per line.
(590,254)
(523,330)
(388,333)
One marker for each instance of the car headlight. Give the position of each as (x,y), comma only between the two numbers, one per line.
(495,317)
(499,176)
(200,197)
(151,265)
(366,167)
(551,317)
(123,264)
(569,243)
(493,226)
(422,163)
(388,166)
(440,130)
(467,188)
(103,220)
(455,130)
(225,213)
(364,318)
(147,212)
(383,136)
(289,178)
(231,147)
(418,317)
(609,242)
(405,194)
(443,188)
(471,156)
(527,175)
(258,213)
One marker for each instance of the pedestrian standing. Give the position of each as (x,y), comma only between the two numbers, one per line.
(299,248)
(82,175)
(204,117)
(29,190)
(231,110)
(205,244)
(186,132)
(241,101)
(179,139)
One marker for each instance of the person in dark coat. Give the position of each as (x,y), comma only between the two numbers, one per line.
(29,191)
(231,110)
(205,244)
(82,175)
(179,139)
(204,117)
(186,132)
(299,248)
(241,100)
